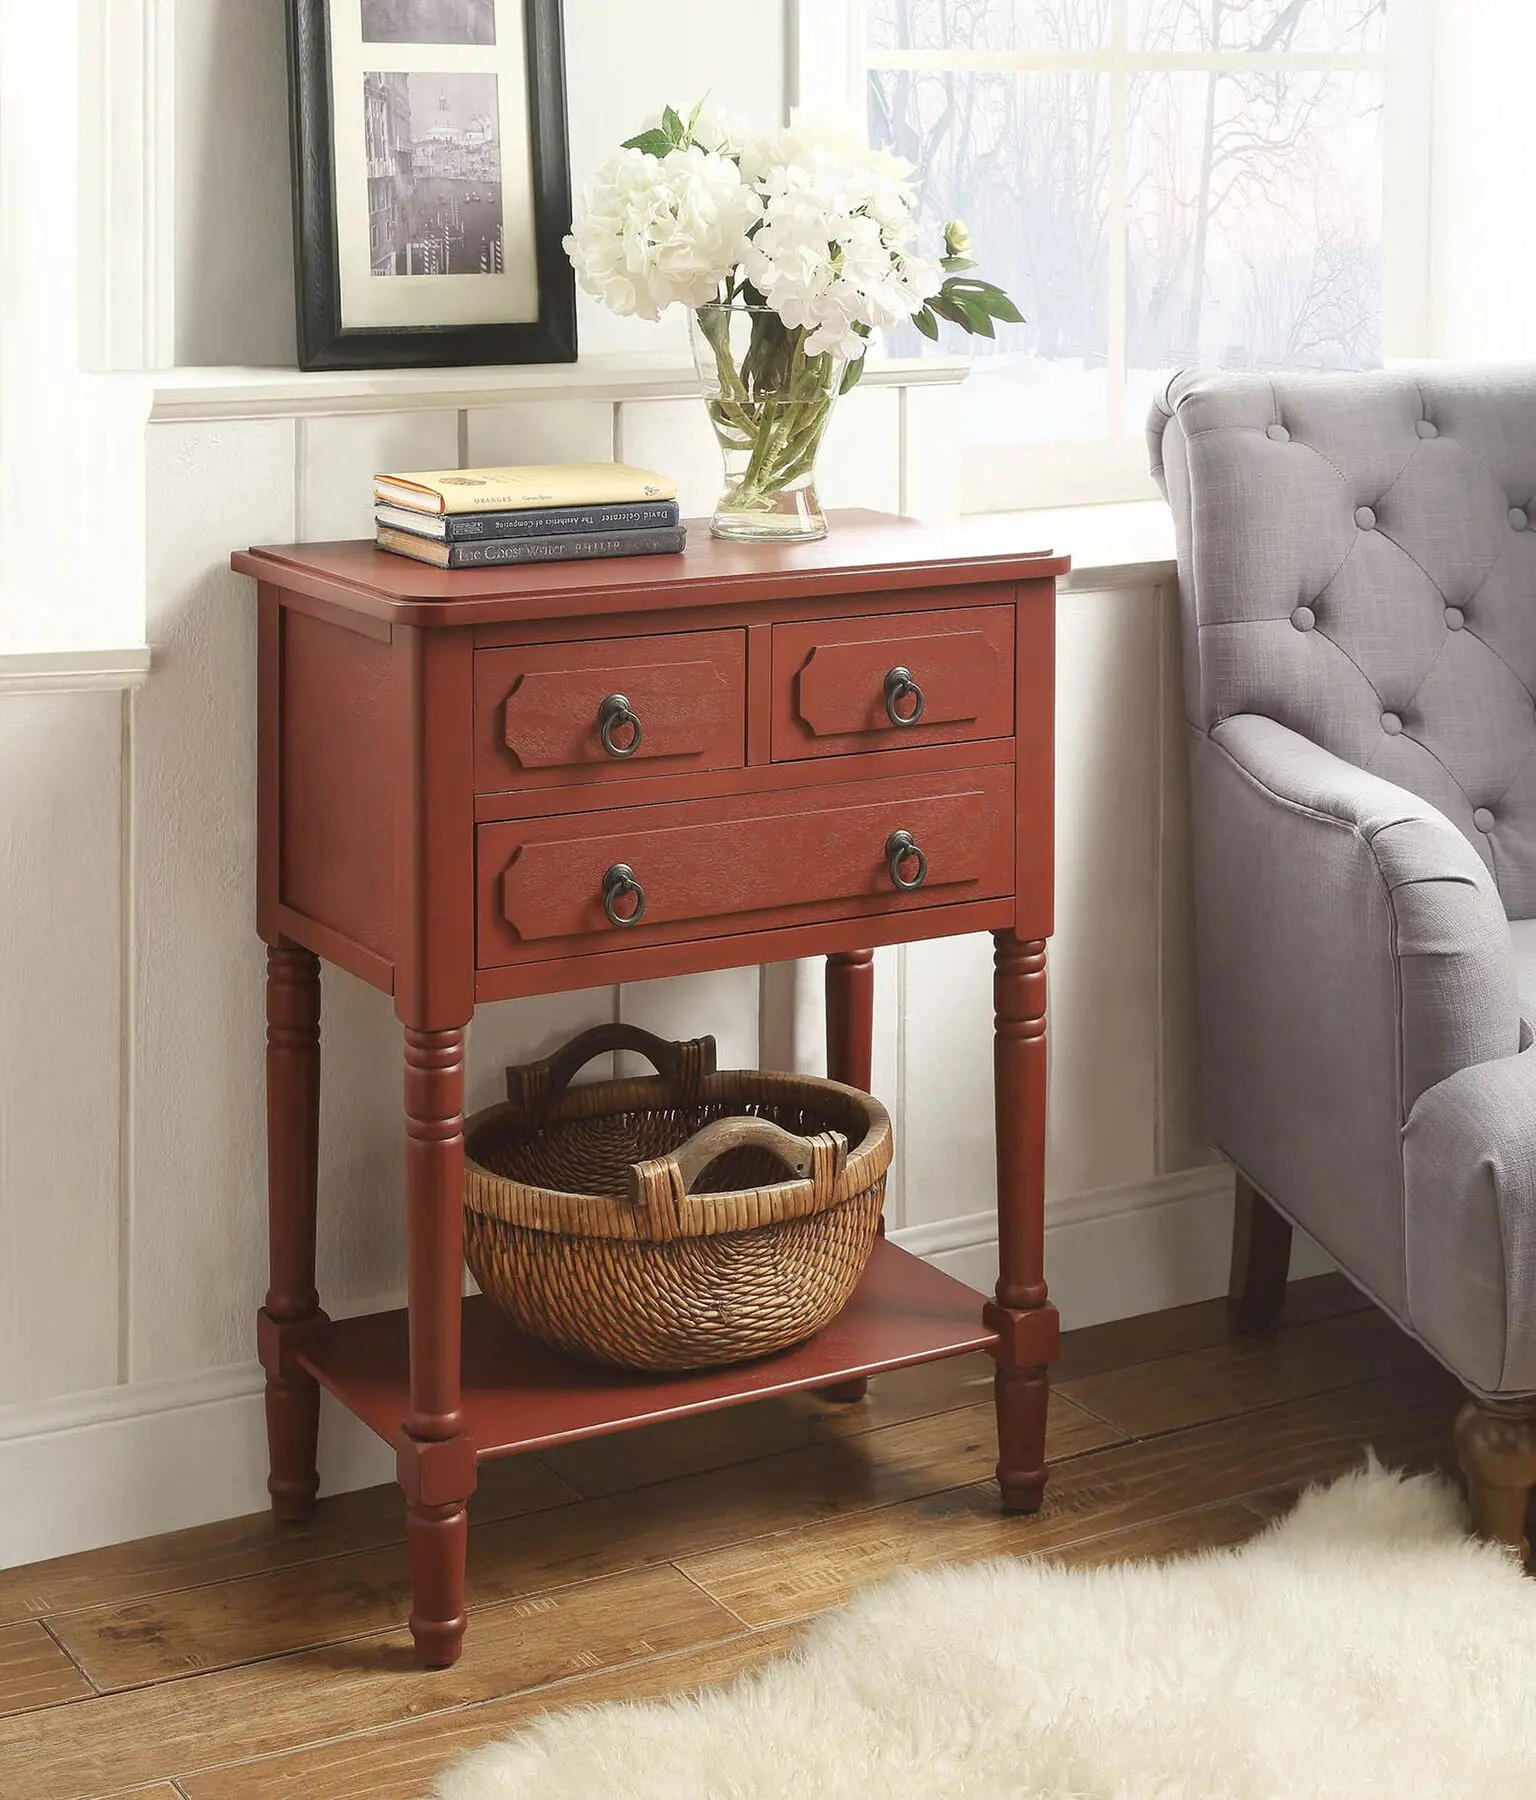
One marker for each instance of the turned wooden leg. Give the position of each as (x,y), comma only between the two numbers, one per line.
(851,1017)
(291,1317)
(1261,1262)
(435,1459)
(850,1059)
(1496,1446)
(1022,1315)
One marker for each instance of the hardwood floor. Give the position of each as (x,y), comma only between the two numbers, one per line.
(247,1661)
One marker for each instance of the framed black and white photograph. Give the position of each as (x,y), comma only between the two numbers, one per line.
(432,184)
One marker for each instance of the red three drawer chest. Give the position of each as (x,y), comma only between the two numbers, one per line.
(487,783)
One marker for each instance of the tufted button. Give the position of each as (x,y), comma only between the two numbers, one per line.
(1427,430)
(1455,618)
(1303,618)
(1483,819)
(1278,433)
(1518,518)
(1391,724)
(1365,518)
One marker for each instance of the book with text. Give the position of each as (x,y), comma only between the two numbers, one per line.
(516,486)
(569,548)
(534,521)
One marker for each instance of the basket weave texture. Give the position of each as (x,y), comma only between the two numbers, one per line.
(676,1221)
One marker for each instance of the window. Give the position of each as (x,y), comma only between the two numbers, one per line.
(1157,183)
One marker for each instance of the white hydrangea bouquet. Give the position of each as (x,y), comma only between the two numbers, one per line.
(792,249)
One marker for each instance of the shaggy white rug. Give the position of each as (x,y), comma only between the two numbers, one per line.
(1362,1646)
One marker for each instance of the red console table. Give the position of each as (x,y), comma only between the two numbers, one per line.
(788,752)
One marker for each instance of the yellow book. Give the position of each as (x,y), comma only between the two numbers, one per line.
(515,487)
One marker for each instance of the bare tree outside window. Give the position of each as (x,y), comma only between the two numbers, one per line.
(1195,192)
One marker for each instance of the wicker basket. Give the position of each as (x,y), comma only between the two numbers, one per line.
(649,1222)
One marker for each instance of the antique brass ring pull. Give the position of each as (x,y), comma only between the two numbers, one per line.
(619,884)
(901,847)
(899,689)
(615,715)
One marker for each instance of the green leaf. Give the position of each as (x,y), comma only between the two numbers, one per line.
(672,124)
(652,143)
(973,304)
(988,296)
(956,263)
(852,375)
(948,306)
(693,119)
(926,323)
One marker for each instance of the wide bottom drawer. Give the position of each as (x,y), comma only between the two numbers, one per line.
(662,874)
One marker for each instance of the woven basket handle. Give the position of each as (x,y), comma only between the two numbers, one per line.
(544,1080)
(663,1187)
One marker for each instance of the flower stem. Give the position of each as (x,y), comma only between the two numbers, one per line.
(774,405)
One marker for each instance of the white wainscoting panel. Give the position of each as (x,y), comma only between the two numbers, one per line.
(60,1047)
(860,461)
(674,435)
(1180,1141)
(197,1228)
(930,454)
(945,1109)
(725,1003)
(1103,1021)
(520,1031)
(339,457)
(537,431)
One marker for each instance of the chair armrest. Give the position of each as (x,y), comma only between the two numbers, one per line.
(1345,855)
(1469,1170)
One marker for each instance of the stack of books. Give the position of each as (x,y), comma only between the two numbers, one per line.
(556,512)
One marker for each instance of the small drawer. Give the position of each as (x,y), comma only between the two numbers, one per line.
(848,685)
(671,703)
(750,862)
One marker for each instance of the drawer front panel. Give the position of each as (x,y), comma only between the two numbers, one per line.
(831,678)
(745,863)
(539,709)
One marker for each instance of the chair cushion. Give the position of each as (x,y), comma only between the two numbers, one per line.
(1358,562)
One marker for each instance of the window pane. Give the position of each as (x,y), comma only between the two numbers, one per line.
(1253,231)
(988,24)
(1023,159)
(1224,25)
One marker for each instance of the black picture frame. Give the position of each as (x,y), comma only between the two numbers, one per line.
(323,342)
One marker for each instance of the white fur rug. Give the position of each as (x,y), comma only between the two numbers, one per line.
(1362,1646)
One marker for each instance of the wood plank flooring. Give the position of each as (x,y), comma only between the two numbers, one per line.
(246,1661)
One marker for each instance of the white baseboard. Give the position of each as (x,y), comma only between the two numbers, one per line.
(157,1456)
(154,1456)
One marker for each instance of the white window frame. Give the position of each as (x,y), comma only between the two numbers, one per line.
(829,68)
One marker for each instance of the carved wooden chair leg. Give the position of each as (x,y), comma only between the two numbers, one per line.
(1261,1262)
(1496,1446)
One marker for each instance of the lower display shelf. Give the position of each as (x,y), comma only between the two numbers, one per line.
(519,1396)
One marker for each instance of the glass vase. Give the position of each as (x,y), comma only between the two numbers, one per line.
(769,403)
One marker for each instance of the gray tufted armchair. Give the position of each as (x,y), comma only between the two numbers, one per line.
(1357,568)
